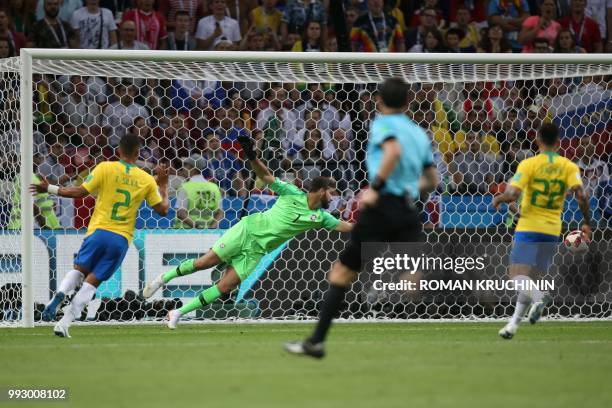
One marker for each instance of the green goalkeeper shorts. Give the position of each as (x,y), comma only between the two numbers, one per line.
(235,248)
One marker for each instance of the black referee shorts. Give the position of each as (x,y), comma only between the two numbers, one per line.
(392,219)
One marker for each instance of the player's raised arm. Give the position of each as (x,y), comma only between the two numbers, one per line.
(69,192)
(583,203)
(161,177)
(259,168)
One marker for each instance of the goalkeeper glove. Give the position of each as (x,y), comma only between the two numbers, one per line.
(247,147)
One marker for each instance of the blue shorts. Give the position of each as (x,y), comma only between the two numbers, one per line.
(102,253)
(533,248)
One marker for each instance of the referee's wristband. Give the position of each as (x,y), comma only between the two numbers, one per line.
(53,189)
(378,184)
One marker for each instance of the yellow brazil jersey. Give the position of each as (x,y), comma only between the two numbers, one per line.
(120,189)
(544,181)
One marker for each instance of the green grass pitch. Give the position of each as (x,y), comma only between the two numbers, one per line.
(552,364)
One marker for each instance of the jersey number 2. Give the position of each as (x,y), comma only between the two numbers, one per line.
(118,204)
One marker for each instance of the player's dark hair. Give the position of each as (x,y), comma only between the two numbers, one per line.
(321,182)
(394,93)
(549,134)
(129,144)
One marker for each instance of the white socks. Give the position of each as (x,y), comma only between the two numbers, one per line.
(83,296)
(70,282)
(534,294)
(522,303)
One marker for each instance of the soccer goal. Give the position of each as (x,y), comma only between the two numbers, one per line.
(63,111)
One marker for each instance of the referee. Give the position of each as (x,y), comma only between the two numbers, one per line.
(400,168)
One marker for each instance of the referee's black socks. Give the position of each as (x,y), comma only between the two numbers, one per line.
(331,304)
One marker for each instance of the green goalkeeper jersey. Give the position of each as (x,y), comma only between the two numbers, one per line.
(288,217)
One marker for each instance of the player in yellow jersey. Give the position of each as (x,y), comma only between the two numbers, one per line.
(544,181)
(120,188)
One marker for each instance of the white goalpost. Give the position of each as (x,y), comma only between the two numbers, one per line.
(64,110)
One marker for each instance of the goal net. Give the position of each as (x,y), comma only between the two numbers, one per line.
(310,116)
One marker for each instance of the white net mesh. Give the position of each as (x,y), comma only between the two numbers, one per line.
(309,119)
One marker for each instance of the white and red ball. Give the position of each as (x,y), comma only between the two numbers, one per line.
(577,241)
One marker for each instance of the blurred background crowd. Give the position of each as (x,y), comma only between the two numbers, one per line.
(480,130)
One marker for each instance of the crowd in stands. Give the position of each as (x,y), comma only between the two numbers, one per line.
(480,130)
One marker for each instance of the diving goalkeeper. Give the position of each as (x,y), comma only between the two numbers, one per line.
(243,245)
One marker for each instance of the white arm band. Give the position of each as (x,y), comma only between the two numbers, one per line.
(53,189)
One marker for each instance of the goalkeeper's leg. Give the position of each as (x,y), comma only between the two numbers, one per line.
(187,267)
(229,246)
(228,282)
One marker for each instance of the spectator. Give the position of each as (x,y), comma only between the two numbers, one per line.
(377,31)
(193,9)
(127,40)
(217,25)
(309,162)
(95,26)
(425,117)
(222,167)
(44,207)
(189,94)
(229,127)
(477,122)
(198,202)
(266,18)
(429,4)
(416,35)
(340,164)
(51,32)
(177,141)
(23,15)
(275,126)
(542,26)
(494,41)
(566,43)
(312,119)
(180,38)
(351,14)
(52,166)
(5,48)
(471,39)
(298,12)
(79,106)
(330,118)
(257,39)
(509,16)
(66,9)
(472,172)
(596,9)
(594,171)
(452,39)
(16,40)
(433,42)
(120,114)
(312,40)
(150,24)
(585,29)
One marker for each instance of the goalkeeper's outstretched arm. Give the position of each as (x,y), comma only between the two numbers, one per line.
(260,169)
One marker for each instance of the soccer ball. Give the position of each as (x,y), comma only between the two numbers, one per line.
(576,242)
